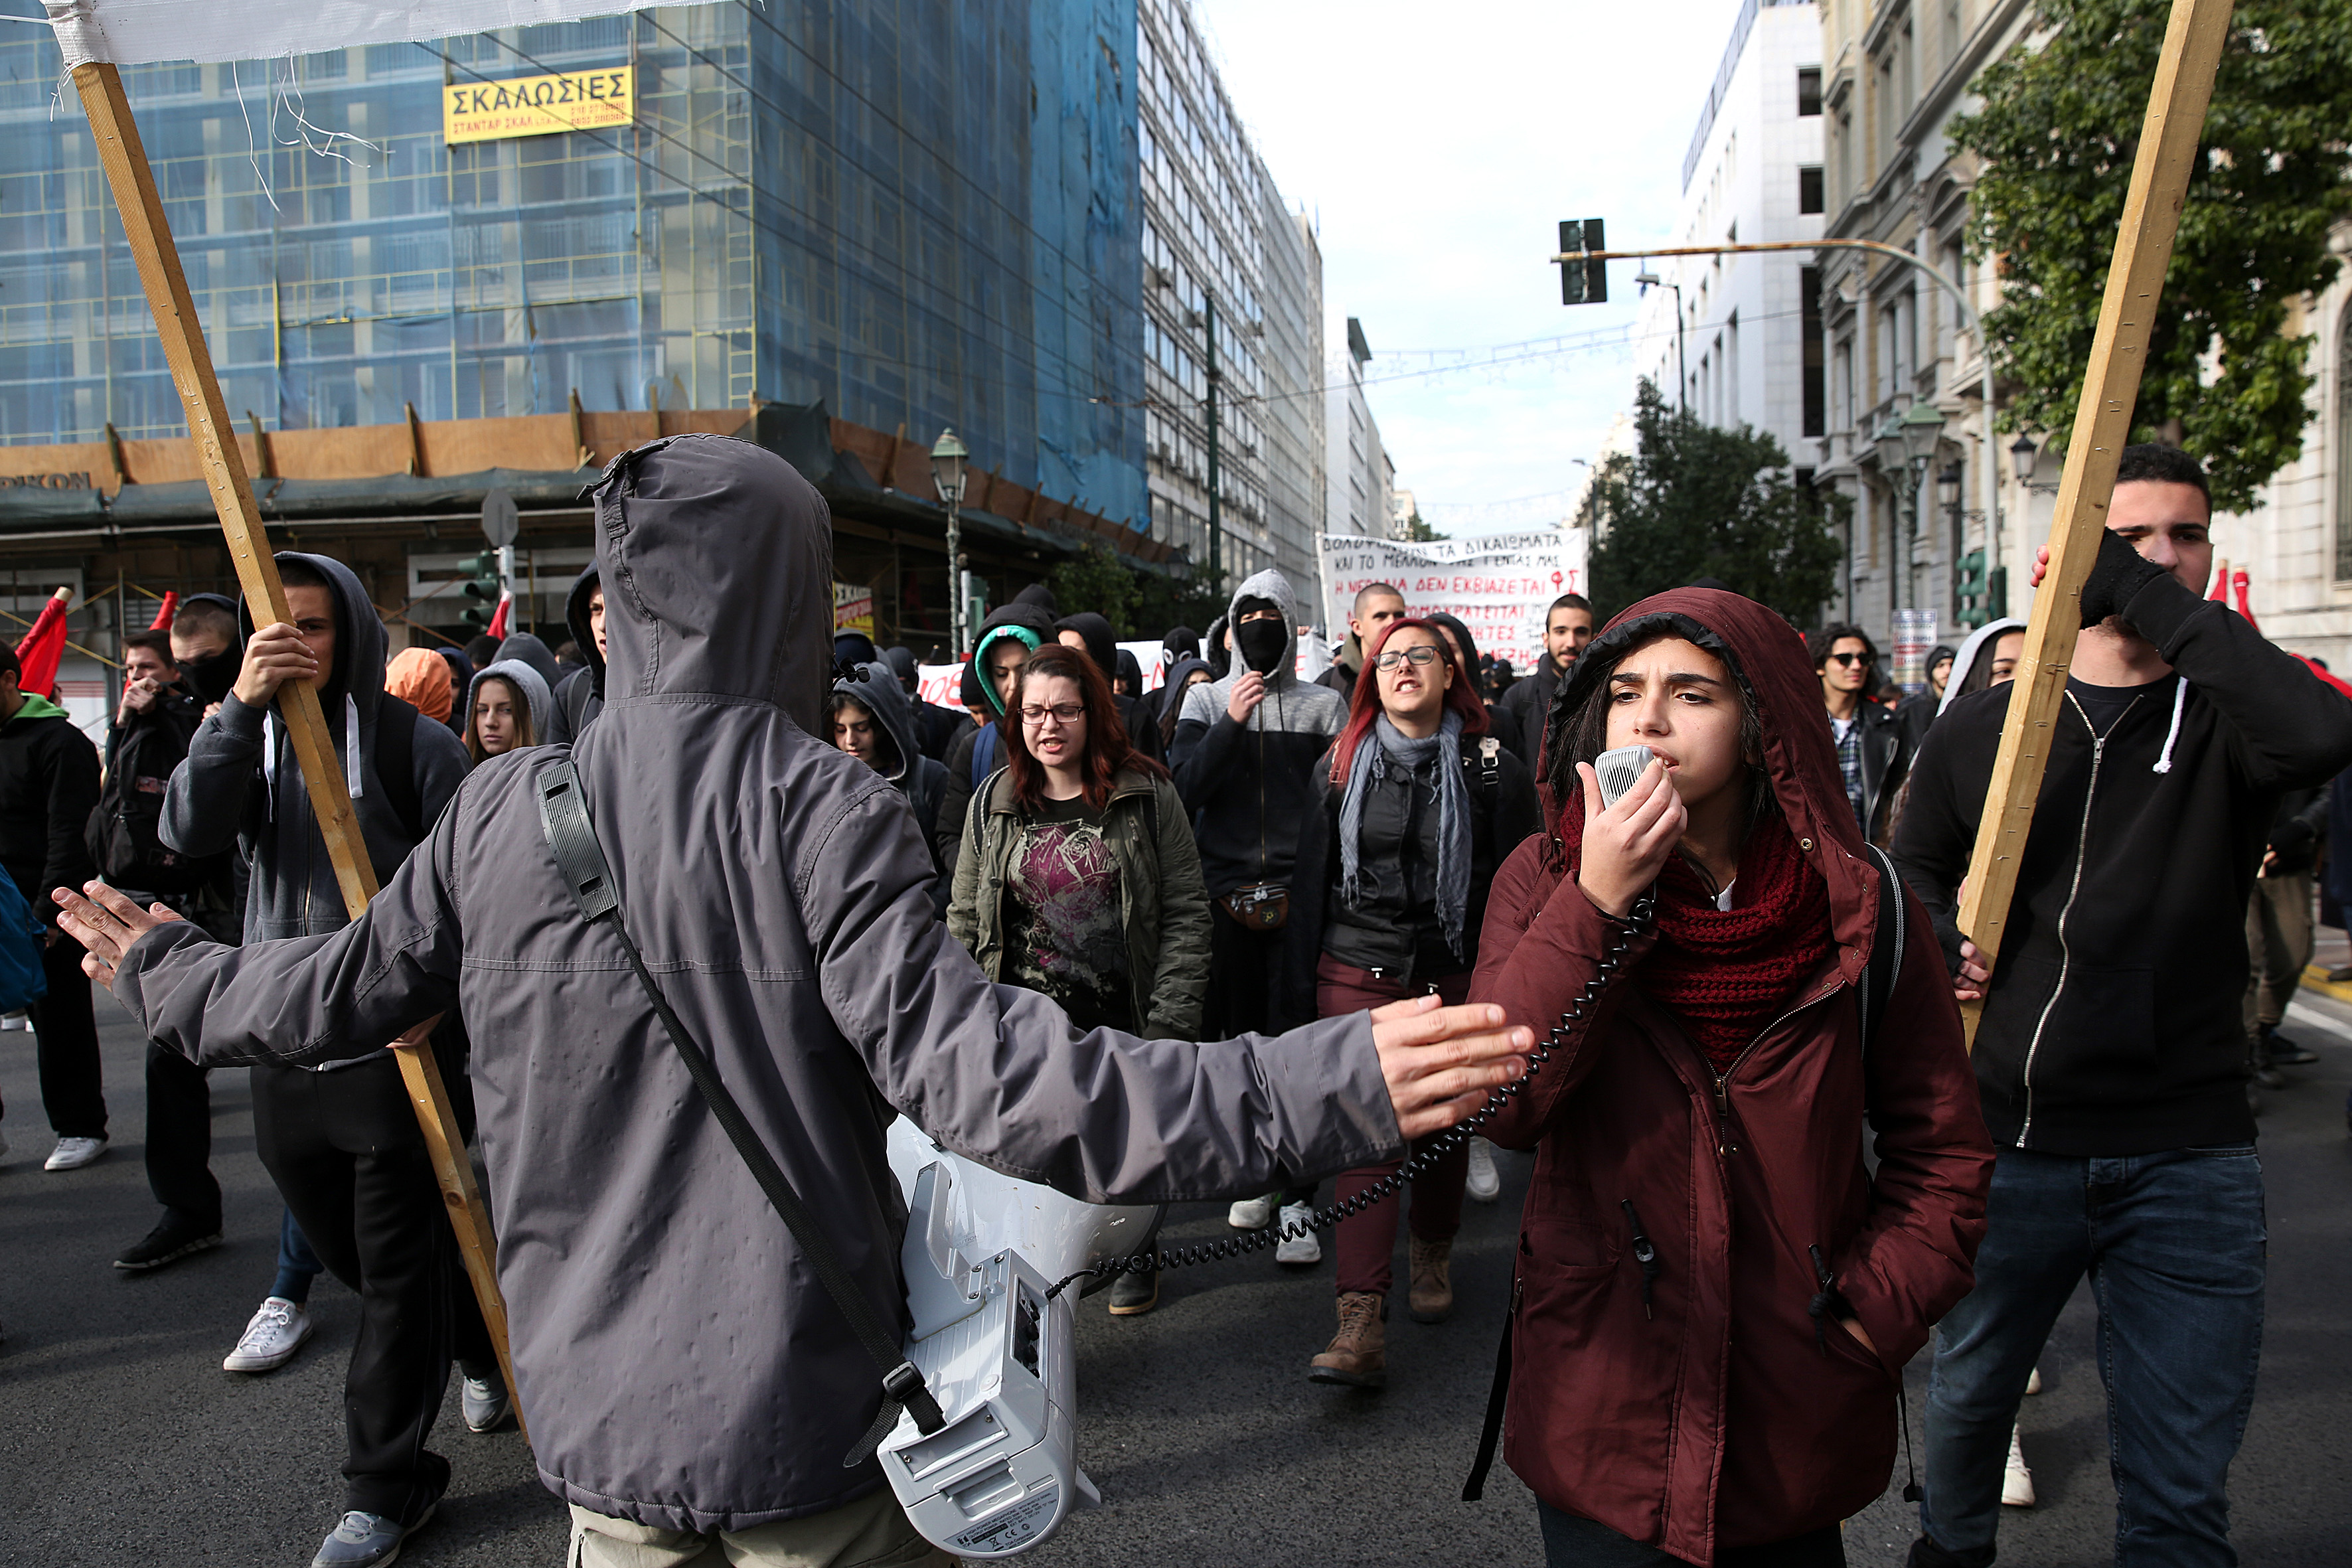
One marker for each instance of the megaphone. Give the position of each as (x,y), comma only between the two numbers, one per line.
(983,1250)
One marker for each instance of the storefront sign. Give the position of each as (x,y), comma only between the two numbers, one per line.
(852,608)
(538,105)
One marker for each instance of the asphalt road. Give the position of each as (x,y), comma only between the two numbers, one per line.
(122,1441)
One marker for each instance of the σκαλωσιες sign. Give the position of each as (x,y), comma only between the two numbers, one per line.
(538,105)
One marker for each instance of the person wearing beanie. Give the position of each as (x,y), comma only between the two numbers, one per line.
(523,648)
(482,648)
(1092,634)
(420,678)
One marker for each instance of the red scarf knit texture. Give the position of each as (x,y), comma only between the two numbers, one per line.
(1724,974)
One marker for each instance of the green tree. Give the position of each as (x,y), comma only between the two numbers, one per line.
(1138,605)
(1416,531)
(2225,377)
(1693,501)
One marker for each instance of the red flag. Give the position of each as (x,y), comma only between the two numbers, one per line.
(164,612)
(2220,583)
(44,646)
(2244,608)
(498,627)
(2313,665)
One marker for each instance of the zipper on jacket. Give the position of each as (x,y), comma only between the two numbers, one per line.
(1723,1143)
(2073,890)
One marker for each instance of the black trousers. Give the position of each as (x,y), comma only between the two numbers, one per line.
(180,1138)
(67,1030)
(1244,977)
(344,1149)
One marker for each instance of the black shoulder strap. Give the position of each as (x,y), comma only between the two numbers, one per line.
(395,764)
(564,816)
(1886,945)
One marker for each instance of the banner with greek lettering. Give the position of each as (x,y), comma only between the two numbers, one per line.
(1499,584)
(536,105)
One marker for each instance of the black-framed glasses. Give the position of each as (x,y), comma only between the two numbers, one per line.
(1421,654)
(1849,659)
(1067,712)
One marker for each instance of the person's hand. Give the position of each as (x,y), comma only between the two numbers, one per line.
(2269,863)
(1862,1334)
(1248,692)
(107,923)
(274,655)
(139,697)
(1440,1062)
(2040,566)
(1969,985)
(1626,845)
(419,1036)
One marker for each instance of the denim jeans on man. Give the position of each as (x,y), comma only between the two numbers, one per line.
(2173,1243)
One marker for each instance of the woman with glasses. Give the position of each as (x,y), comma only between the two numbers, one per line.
(1420,806)
(1078,877)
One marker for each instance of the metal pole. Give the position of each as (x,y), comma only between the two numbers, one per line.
(1216,524)
(955,579)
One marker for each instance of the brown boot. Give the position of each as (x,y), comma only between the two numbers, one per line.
(1356,1355)
(1430,1298)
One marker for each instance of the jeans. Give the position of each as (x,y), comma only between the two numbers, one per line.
(2173,1243)
(296,1264)
(1571,1542)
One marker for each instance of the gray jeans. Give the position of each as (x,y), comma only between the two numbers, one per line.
(871,1532)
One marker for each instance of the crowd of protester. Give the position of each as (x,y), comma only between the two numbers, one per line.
(1749,950)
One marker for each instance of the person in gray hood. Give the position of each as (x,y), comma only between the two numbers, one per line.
(870,718)
(526,696)
(681,1370)
(335,1130)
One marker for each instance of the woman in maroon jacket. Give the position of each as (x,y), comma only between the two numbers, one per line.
(1716,1295)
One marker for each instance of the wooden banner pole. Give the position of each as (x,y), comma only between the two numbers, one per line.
(124,159)
(2103,418)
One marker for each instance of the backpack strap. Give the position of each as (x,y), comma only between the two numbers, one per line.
(572,838)
(395,764)
(983,755)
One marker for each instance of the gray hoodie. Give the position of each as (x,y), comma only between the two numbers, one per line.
(240,783)
(675,1359)
(536,695)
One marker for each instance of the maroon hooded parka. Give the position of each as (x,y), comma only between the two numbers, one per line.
(1716,1415)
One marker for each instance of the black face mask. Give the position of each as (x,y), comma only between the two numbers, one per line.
(1262,644)
(211,676)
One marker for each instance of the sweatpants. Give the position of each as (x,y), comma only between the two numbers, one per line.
(66,1031)
(346,1154)
(2278,943)
(872,1533)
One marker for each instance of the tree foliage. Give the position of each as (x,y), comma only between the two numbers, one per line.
(1694,501)
(1139,605)
(2060,126)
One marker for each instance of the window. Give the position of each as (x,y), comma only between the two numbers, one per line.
(1808,188)
(1808,91)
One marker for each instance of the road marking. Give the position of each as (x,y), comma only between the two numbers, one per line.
(2314,1018)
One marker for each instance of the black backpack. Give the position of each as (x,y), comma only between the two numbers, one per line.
(123,834)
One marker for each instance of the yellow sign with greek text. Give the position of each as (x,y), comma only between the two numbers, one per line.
(538,105)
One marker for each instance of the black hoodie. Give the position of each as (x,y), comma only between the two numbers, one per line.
(579,696)
(2113,1026)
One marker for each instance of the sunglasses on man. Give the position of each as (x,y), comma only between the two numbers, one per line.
(1849,659)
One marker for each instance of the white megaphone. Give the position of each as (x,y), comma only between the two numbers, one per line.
(982,1251)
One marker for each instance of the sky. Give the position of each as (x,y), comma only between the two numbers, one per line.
(1439,146)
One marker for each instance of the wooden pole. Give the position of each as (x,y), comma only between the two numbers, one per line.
(2159,181)
(124,159)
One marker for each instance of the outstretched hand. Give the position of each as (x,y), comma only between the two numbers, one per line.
(1440,1062)
(106,923)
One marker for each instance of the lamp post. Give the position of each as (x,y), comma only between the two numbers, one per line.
(1646,281)
(1915,433)
(947,456)
(2025,456)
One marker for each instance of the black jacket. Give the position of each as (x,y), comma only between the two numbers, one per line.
(1393,927)
(1521,715)
(2113,1025)
(579,696)
(1885,763)
(49,785)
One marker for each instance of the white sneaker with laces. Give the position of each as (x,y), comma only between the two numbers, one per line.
(276,1332)
(73,1154)
(16,1020)
(1301,1248)
(1485,1183)
(2033,1381)
(2016,1481)
(1251,1214)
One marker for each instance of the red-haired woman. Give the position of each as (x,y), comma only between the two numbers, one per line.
(1078,877)
(1420,806)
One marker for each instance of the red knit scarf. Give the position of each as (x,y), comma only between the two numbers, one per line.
(1724,974)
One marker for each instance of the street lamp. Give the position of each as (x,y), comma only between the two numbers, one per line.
(2024,458)
(1915,433)
(1646,281)
(947,456)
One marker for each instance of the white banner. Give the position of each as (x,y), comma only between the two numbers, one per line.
(942,684)
(1499,584)
(135,32)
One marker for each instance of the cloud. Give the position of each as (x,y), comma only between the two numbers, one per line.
(1440,146)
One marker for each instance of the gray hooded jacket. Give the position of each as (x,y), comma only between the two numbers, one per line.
(536,695)
(676,1359)
(1248,785)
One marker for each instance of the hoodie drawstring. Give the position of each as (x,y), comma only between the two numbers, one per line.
(2179,701)
(350,753)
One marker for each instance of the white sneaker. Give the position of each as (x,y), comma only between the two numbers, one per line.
(275,1333)
(16,1020)
(2016,1481)
(1485,1183)
(73,1154)
(2033,1381)
(1251,1214)
(1301,1248)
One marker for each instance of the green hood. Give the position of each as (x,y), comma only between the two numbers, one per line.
(35,706)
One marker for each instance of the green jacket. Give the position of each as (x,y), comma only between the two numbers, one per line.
(1162,898)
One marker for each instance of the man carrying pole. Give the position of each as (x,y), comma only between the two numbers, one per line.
(2087,838)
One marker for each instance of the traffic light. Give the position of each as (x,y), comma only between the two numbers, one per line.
(485,585)
(1970,598)
(1581,282)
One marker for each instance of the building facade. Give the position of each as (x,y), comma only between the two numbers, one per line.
(1232,306)
(1361,479)
(1747,348)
